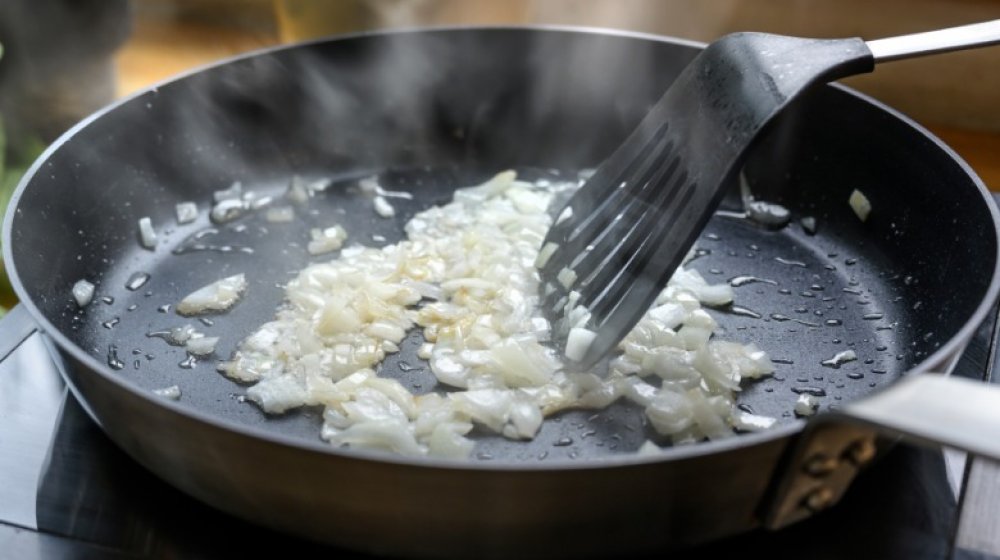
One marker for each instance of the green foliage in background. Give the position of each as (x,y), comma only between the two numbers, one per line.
(16,156)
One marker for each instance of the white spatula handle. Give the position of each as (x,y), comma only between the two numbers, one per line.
(931,42)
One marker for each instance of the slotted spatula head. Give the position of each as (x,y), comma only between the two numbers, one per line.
(624,232)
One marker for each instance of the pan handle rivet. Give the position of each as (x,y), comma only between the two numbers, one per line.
(819,499)
(820,465)
(861,452)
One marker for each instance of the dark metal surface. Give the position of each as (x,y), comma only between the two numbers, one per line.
(347,108)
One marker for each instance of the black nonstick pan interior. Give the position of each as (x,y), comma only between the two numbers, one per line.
(894,288)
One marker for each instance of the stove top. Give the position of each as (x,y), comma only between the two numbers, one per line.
(67,492)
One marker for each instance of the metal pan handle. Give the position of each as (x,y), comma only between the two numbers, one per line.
(15,327)
(929,409)
(935,409)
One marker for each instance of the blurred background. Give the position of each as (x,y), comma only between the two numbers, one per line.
(63,59)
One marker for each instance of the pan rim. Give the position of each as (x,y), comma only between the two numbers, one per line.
(675,453)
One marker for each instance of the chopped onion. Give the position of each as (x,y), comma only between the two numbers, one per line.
(227,210)
(217,296)
(566,277)
(172,392)
(83,292)
(806,405)
(545,254)
(466,276)
(648,448)
(746,422)
(201,345)
(147,235)
(326,240)
(768,213)
(808,224)
(578,342)
(860,204)
(383,208)
(187,212)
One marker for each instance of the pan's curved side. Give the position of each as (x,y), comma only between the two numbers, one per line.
(383,507)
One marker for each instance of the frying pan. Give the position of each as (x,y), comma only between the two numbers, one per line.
(429,111)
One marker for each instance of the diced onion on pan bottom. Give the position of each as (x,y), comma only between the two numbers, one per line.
(466,276)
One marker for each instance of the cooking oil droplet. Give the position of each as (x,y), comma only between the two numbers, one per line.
(712,236)
(738,281)
(801,310)
(840,358)
(113,360)
(745,408)
(189,362)
(137,281)
(852,291)
(108,300)
(135,364)
(164,308)
(834,322)
(788,262)
(698,253)
(782,361)
(563,442)
(872,316)
(779,317)
(881,348)
(743,311)
(809,390)
(807,294)
(807,323)
(206,321)
(785,291)
(405,366)
(851,262)
(855,375)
